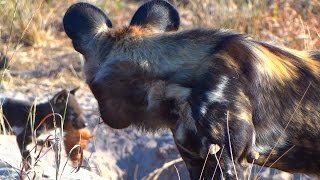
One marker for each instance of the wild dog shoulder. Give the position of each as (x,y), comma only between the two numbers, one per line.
(161,90)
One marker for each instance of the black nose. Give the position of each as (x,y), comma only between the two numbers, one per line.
(79,123)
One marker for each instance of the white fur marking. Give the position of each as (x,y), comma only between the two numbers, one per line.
(217,95)
(102,28)
(203,109)
(101,74)
(178,92)
(180,134)
(229,172)
(262,149)
(17,130)
(3,100)
(254,138)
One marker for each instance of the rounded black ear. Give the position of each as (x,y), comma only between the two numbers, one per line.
(82,22)
(74,90)
(60,97)
(157,14)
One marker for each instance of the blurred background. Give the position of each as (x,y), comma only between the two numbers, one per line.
(37,60)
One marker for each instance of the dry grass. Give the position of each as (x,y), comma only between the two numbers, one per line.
(287,22)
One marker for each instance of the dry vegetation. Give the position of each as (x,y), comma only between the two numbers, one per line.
(41,58)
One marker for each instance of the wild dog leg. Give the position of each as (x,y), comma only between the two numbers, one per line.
(235,136)
(23,141)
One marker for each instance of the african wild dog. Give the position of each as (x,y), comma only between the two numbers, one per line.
(17,116)
(267,95)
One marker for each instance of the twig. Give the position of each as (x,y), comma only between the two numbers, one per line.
(204,164)
(69,154)
(251,169)
(278,159)
(156,173)
(213,149)
(218,164)
(177,171)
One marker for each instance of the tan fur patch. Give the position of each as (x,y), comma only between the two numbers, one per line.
(229,61)
(312,64)
(75,141)
(274,66)
(139,31)
(215,132)
(244,115)
(242,101)
(131,31)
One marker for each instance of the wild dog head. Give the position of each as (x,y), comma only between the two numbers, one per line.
(66,104)
(92,35)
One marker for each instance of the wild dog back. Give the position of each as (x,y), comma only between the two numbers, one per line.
(262,94)
(16,112)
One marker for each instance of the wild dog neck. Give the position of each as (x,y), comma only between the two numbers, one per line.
(164,55)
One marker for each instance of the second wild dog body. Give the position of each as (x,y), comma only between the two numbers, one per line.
(18,116)
(266,97)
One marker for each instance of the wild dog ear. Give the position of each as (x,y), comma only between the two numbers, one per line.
(82,22)
(61,97)
(74,90)
(158,15)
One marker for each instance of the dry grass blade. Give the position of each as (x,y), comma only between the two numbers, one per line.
(204,164)
(295,110)
(10,36)
(45,119)
(250,171)
(177,171)
(15,48)
(32,118)
(75,148)
(59,148)
(39,156)
(304,31)
(25,30)
(4,122)
(213,149)
(258,176)
(218,164)
(230,146)
(11,27)
(157,172)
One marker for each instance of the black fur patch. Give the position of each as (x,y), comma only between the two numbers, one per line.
(159,14)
